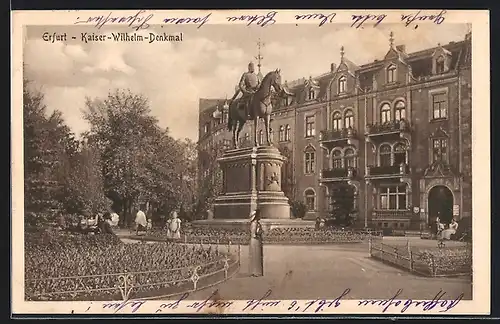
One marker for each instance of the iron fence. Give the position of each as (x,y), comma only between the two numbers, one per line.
(141,284)
(441,264)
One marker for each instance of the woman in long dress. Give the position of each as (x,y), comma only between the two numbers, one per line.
(256,247)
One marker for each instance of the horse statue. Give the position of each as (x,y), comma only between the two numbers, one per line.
(259,106)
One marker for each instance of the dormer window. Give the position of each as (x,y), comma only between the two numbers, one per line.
(312,94)
(440,65)
(342,84)
(391,74)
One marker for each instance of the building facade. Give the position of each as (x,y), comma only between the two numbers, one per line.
(391,138)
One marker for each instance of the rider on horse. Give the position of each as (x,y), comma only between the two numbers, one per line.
(249,83)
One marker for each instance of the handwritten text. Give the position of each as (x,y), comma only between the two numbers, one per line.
(437,19)
(200,21)
(137,21)
(317,16)
(359,20)
(260,20)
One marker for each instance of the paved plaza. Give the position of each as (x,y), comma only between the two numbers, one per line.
(323,271)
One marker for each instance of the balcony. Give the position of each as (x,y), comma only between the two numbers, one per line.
(337,135)
(387,171)
(391,215)
(395,128)
(338,174)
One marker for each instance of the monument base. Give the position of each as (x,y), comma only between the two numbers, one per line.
(251,179)
(244,224)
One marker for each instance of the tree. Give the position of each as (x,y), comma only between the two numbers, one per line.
(48,145)
(140,160)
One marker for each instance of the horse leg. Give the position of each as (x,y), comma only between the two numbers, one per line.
(255,124)
(267,121)
(240,127)
(235,142)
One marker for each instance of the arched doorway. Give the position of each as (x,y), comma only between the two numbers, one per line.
(440,201)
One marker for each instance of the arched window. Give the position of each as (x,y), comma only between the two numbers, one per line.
(391,73)
(271,135)
(247,137)
(440,65)
(309,160)
(282,133)
(337,159)
(385,113)
(349,119)
(385,155)
(350,158)
(399,153)
(261,137)
(337,121)
(287,132)
(400,110)
(310,199)
(342,84)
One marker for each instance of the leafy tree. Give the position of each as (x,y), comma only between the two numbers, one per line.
(48,146)
(140,160)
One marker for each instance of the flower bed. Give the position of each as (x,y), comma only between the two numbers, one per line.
(435,262)
(273,236)
(83,267)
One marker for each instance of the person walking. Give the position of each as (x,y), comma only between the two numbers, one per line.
(141,222)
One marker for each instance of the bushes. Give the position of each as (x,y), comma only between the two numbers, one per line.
(298,209)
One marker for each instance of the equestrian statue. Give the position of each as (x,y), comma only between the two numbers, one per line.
(255,102)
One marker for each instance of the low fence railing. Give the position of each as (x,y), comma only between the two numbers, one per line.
(442,264)
(139,285)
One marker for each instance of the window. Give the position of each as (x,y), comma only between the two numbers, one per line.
(271,135)
(337,159)
(349,119)
(282,133)
(310,131)
(342,84)
(439,105)
(310,162)
(350,158)
(391,74)
(393,197)
(247,137)
(225,117)
(310,197)
(206,128)
(400,111)
(337,121)
(399,153)
(385,113)
(440,65)
(287,133)
(312,94)
(261,137)
(440,149)
(286,101)
(385,155)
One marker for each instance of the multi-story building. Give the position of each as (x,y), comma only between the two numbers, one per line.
(391,137)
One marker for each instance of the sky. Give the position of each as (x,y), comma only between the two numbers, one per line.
(207,64)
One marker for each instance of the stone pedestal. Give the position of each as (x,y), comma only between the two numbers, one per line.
(252,179)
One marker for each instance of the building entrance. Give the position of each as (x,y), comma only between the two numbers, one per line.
(440,203)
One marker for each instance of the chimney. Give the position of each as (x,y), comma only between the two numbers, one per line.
(332,67)
(401,48)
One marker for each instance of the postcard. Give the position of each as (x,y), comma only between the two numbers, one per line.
(250,162)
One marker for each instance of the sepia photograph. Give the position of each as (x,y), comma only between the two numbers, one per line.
(291,167)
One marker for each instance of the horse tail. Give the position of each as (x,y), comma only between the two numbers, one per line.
(230,120)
